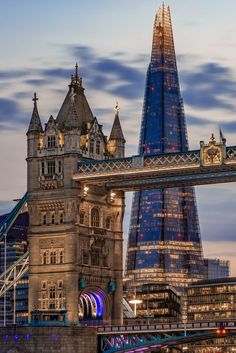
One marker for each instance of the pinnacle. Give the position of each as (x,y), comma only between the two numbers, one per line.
(35,122)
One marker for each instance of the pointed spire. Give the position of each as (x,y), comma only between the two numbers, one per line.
(116,131)
(35,122)
(163,42)
(72,119)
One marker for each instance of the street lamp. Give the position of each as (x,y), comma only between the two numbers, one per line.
(135,301)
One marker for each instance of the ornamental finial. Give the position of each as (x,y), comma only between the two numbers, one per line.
(35,99)
(117,107)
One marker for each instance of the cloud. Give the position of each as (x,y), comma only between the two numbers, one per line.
(114,75)
(226,126)
(11,114)
(209,86)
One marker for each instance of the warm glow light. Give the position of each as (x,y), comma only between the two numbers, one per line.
(135,301)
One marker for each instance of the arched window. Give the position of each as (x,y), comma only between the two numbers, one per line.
(44,220)
(95,221)
(53,218)
(53,257)
(91,148)
(81,218)
(61,257)
(61,217)
(108,223)
(98,147)
(43,168)
(44,258)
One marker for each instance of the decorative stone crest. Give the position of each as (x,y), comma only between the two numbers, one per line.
(212,153)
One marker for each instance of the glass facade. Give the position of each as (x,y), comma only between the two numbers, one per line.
(164,238)
(16,247)
(216,268)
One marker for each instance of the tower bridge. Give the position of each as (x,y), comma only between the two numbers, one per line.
(213,163)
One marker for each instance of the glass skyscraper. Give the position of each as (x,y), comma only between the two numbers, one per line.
(164,242)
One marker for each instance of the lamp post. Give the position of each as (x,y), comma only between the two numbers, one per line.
(135,301)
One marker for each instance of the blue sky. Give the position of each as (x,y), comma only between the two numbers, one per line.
(111,41)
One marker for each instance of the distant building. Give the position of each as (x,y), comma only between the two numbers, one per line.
(157,301)
(212,299)
(16,247)
(216,268)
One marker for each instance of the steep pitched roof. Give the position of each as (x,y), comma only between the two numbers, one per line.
(35,122)
(116,131)
(82,112)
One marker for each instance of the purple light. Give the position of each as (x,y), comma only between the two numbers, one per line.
(6,337)
(16,337)
(54,337)
(27,336)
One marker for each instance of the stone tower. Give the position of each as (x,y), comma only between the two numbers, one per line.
(75,230)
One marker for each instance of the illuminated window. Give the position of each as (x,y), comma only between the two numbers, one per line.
(81,218)
(95,221)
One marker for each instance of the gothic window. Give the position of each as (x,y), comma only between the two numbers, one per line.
(43,168)
(85,257)
(60,284)
(61,257)
(81,218)
(43,285)
(91,148)
(95,257)
(61,219)
(53,257)
(51,167)
(98,147)
(44,259)
(108,223)
(52,297)
(59,167)
(53,218)
(44,219)
(104,261)
(95,218)
(51,141)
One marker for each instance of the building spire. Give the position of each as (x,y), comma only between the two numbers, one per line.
(116,131)
(35,122)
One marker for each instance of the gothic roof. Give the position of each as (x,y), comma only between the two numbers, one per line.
(116,131)
(35,122)
(81,111)
(72,119)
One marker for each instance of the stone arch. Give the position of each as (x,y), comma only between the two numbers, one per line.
(94,304)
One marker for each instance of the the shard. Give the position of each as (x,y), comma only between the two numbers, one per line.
(164,244)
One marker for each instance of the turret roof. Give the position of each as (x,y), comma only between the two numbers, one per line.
(116,131)
(35,122)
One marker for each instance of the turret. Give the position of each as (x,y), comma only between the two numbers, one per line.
(35,131)
(116,142)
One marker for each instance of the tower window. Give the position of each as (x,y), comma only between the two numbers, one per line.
(85,257)
(53,257)
(51,141)
(51,167)
(91,148)
(44,259)
(98,147)
(95,257)
(108,223)
(95,221)
(61,218)
(44,220)
(81,218)
(61,257)
(43,168)
(53,218)
(59,167)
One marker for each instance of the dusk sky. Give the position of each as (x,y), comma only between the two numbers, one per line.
(111,40)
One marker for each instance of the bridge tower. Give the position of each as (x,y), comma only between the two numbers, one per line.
(75,232)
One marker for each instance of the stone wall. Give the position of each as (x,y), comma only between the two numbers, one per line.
(48,340)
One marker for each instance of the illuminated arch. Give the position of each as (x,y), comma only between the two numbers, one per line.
(92,304)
